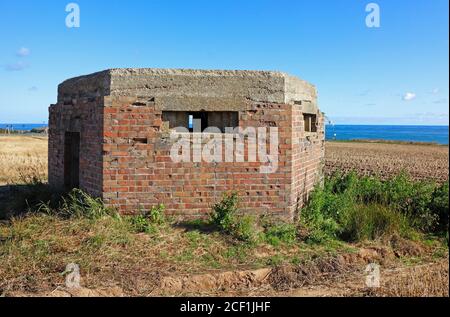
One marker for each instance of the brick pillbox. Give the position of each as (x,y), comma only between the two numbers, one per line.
(109,135)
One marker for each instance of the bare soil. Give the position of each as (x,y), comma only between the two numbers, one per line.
(386,160)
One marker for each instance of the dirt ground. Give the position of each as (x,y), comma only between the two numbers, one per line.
(385,160)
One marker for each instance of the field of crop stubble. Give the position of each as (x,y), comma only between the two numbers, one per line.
(22,157)
(421,161)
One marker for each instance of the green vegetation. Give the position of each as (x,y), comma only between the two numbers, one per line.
(226,219)
(247,228)
(148,222)
(76,204)
(353,208)
(78,228)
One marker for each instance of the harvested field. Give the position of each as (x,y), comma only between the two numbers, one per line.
(387,159)
(22,158)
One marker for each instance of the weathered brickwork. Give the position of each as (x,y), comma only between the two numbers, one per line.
(125,145)
(84,116)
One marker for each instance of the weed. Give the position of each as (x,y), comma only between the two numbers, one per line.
(224,212)
(148,222)
(276,234)
(226,219)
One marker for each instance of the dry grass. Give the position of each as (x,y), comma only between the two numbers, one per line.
(430,280)
(22,157)
(34,250)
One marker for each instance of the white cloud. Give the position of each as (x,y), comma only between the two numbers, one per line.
(435,91)
(18,66)
(23,51)
(33,88)
(409,96)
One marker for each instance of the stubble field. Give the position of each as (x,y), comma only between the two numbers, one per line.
(386,159)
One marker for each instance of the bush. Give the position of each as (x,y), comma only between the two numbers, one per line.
(224,212)
(225,217)
(245,229)
(439,207)
(355,208)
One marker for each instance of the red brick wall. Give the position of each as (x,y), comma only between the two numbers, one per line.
(307,158)
(84,115)
(139,176)
(125,159)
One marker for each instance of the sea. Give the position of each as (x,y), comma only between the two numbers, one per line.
(22,126)
(409,133)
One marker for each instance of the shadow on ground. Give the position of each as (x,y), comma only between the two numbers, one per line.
(202,226)
(19,199)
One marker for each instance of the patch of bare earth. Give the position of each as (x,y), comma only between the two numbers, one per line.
(387,160)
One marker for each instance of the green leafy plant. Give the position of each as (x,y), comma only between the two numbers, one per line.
(354,208)
(276,234)
(225,217)
(224,212)
(148,222)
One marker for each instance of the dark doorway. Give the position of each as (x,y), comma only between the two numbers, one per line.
(71,160)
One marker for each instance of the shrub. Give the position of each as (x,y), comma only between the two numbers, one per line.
(353,208)
(245,229)
(318,220)
(225,217)
(276,234)
(224,212)
(439,207)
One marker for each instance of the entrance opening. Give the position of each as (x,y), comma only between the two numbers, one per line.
(71,160)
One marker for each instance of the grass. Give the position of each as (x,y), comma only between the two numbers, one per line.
(35,247)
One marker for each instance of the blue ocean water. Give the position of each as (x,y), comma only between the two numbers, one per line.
(22,126)
(437,134)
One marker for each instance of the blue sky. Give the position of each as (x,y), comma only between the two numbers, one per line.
(395,74)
